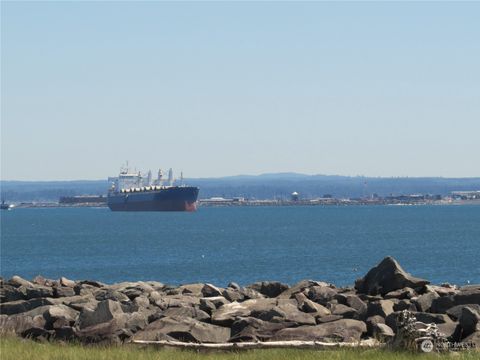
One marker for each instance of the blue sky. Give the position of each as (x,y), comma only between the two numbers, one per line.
(377,89)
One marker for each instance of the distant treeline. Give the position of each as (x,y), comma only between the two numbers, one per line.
(268,186)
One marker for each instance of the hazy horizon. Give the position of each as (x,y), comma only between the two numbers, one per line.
(278,174)
(221,89)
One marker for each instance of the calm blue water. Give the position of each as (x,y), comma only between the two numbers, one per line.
(244,244)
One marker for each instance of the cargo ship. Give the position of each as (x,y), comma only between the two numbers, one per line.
(132,191)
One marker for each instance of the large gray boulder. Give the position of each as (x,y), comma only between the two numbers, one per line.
(20,323)
(387,276)
(423,303)
(106,324)
(20,306)
(344,330)
(186,311)
(456,311)
(183,329)
(58,316)
(322,294)
(225,315)
(106,311)
(253,329)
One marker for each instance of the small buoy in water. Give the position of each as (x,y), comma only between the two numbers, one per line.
(355,269)
(203,256)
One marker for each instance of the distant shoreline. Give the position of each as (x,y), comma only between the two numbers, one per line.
(256,203)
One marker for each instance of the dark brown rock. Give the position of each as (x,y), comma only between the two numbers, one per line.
(387,276)
(270,289)
(209,290)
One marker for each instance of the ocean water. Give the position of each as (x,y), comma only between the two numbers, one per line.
(242,244)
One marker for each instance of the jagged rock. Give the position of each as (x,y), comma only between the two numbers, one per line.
(469,321)
(136,321)
(371,323)
(17,281)
(300,287)
(59,315)
(442,304)
(321,294)
(233,295)
(345,330)
(387,276)
(184,329)
(110,294)
(20,306)
(381,307)
(314,309)
(424,302)
(18,323)
(209,290)
(270,289)
(190,289)
(63,291)
(456,311)
(250,294)
(327,318)
(285,311)
(38,291)
(168,301)
(10,293)
(141,301)
(234,286)
(92,283)
(252,329)
(207,306)
(186,311)
(40,280)
(443,290)
(106,311)
(80,302)
(66,282)
(467,295)
(404,305)
(228,313)
(210,304)
(106,324)
(84,289)
(405,293)
(358,304)
(344,311)
(133,289)
(382,332)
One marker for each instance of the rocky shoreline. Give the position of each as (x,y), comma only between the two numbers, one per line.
(380,306)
